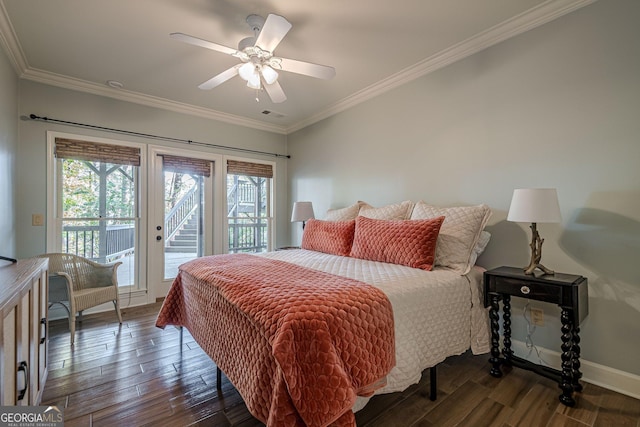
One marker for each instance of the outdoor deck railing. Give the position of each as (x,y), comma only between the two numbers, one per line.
(180,213)
(84,240)
(248,234)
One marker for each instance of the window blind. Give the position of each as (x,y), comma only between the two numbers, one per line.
(96,152)
(188,165)
(236,167)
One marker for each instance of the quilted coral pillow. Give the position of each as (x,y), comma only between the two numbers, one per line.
(459,233)
(411,243)
(343,214)
(393,211)
(330,237)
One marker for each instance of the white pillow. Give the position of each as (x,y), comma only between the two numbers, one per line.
(343,214)
(395,211)
(459,233)
(483,241)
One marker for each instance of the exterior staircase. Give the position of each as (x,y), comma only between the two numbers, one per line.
(185,240)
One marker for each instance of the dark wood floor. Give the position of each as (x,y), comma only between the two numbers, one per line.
(135,374)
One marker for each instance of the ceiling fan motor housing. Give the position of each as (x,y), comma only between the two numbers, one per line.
(245,43)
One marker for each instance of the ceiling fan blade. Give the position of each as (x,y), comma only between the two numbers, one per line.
(272,33)
(308,68)
(202,43)
(220,78)
(275,92)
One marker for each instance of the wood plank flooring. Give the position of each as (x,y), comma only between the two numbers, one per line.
(135,374)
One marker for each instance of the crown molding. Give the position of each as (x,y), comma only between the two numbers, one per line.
(66,82)
(532,18)
(9,42)
(539,15)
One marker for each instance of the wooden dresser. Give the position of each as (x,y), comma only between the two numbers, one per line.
(23,331)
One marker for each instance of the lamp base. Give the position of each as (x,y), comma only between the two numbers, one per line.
(530,269)
(536,253)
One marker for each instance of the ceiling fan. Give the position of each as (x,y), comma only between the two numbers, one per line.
(258,67)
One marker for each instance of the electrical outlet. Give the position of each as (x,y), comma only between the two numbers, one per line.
(537,316)
(37,219)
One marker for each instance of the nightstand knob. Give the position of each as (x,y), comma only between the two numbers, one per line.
(525,290)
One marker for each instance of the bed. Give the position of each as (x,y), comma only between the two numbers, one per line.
(405,312)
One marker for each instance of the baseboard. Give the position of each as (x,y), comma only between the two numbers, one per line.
(593,373)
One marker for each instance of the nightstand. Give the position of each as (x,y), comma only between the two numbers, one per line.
(567,291)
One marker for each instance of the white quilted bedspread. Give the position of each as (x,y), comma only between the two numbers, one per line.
(437,313)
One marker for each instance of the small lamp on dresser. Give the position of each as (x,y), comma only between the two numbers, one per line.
(535,205)
(302,211)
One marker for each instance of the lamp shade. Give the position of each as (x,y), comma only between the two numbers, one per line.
(302,211)
(534,205)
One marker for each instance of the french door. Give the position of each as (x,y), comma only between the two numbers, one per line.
(183,224)
(150,207)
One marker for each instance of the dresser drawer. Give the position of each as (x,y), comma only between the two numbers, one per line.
(530,290)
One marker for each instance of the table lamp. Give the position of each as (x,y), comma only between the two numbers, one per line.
(535,205)
(302,211)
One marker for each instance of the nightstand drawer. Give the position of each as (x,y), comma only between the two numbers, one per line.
(535,291)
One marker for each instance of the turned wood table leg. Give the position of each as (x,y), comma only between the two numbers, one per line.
(506,326)
(575,366)
(566,380)
(495,336)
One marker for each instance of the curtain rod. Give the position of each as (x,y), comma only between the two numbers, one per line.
(148,135)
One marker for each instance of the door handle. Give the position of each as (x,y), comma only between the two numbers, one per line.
(24,384)
(43,330)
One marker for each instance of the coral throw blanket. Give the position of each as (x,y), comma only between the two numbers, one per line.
(298,344)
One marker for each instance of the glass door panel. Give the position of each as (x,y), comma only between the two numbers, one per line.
(98,213)
(181,201)
(183,220)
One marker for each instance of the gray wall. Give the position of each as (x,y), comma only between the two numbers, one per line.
(558,106)
(8,146)
(68,105)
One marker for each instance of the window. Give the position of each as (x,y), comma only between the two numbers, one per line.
(97,188)
(249,206)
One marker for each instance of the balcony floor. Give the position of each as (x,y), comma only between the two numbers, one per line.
(172,261)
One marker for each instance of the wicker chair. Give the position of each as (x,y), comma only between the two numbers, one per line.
(82,283)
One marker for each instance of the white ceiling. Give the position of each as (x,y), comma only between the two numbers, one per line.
(374,46)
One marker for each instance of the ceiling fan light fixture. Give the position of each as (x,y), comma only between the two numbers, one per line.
(246,71)
(254,81)
(270,75)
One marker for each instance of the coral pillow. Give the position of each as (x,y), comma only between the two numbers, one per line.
(330,237)
(405,242)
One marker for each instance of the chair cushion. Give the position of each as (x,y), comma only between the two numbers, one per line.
(86,298)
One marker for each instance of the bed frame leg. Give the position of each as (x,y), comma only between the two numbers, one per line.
(181,333)
(433,387)
(218,378)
